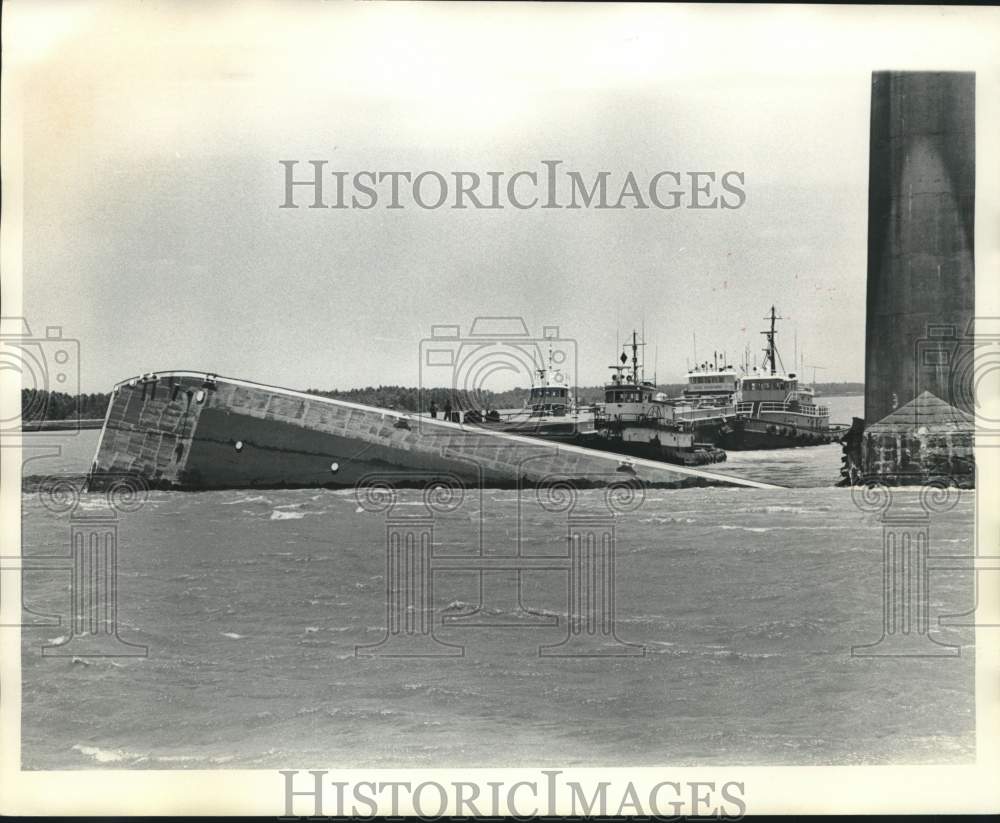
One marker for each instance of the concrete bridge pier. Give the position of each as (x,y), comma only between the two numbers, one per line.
(921,279)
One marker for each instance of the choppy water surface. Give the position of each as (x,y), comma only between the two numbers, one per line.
(747,603)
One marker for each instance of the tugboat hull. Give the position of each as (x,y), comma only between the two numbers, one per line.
(678,453)
(680,457)
(754,434)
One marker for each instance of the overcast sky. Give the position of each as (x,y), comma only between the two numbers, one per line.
(152,136)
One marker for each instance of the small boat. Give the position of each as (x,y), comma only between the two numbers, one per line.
(638,419)
(774,411)
(550,411)
(708,401)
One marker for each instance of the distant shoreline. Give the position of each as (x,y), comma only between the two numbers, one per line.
(61,425)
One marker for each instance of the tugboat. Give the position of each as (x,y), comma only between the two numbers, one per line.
(710,384)
(550,411)
(639,420)
(708,402)
(773,411)
(550,398)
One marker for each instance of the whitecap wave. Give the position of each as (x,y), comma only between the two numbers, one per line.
(757,529)
(102,755)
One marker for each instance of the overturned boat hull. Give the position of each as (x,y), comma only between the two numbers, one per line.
(192,431)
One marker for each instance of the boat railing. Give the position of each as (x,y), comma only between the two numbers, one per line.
(703,412)
(513,416)
(786,407)
(677,422)
(646,419)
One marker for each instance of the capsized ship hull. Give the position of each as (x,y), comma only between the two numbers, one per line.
(192,431)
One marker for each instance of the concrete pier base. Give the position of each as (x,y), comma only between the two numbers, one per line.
(927,440)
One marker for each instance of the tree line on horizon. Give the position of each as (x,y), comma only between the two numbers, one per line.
(40,404)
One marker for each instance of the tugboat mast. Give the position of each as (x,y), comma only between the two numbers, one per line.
(771,350)
(545,372)
(635,358)
(635,344)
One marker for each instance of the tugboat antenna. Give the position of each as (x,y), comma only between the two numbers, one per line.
(635,358)
(644,342)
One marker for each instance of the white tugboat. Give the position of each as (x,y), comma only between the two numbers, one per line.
(550,411)
(772,409)
(708,401)
(710,384)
